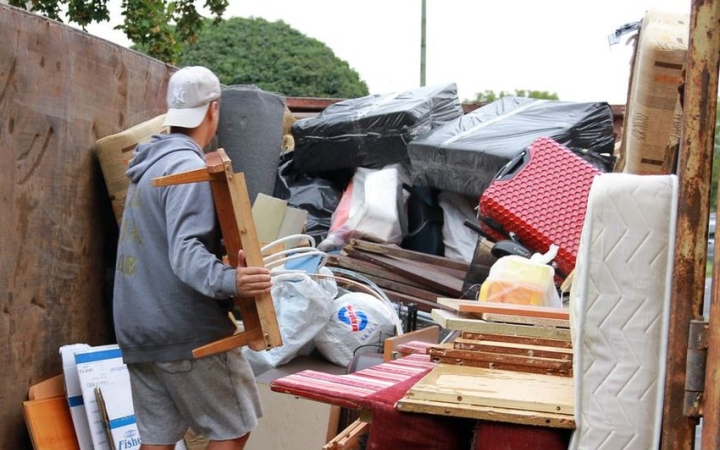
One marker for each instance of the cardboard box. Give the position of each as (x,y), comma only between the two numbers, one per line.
(73,393)
(106,392)
(101,367)
(277,218)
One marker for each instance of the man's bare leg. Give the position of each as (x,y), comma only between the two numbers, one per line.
(235,444)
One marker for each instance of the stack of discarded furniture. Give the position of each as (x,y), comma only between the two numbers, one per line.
(501,347)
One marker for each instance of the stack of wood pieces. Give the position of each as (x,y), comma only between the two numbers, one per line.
(505,336)
(503,318)
(507,352)
(405,276)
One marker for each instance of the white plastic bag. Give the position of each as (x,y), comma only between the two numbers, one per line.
(303,308)
(514,279)
(358,319)
(371,207)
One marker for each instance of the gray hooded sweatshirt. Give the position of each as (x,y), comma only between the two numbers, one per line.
(172,292)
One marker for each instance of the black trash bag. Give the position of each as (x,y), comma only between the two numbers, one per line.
(318,195)
(425,221)
(372,131)
(464,155)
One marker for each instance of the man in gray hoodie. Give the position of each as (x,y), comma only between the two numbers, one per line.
(172,291)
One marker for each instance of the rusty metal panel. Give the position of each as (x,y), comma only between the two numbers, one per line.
(694,170)
(60,90)
(705,83)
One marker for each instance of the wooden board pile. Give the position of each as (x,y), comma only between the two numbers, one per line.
(511,363)
(504,336)
(405,276)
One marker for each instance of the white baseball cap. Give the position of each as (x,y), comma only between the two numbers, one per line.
(190,91)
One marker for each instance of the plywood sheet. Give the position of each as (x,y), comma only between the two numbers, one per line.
(467,322)
(478,307)
(487,413)
(474,386)
(511,318)
(530,350)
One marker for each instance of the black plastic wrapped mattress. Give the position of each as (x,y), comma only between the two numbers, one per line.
(464,155)
(371,131)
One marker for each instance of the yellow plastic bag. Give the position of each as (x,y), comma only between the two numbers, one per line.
(518,280)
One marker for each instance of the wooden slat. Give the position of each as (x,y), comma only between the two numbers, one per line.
(441,282)
(487,413)
(405,299)
(394,250)
(428,334)
(467,322)
(512,348)
(503,365)
(512,318)
(474,386)
(348,439)
(478,307)
(366,268)
(561,343)
(404,288)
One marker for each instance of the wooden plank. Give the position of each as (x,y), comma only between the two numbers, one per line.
(366,268)
(394,250)
(502,365)
(512,348)
(467,322)
(487,413)
(441,282)
(428,334)
(511,318)
(350,440)
(496,388)
(404,288)
(478,307)
(405,299)
(561,343)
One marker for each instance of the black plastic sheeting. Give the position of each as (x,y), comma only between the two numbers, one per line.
(372,131)
(464,155)
(318,195)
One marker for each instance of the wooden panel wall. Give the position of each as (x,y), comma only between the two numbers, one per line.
(60,91)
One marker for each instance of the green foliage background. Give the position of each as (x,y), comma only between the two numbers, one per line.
(274,57)
(488,96)
(147,22)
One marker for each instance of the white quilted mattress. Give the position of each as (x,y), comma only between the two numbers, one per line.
(619,311)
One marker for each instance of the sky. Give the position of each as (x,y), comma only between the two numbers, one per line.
(559,46)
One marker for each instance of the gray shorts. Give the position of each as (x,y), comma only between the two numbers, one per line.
(216,396)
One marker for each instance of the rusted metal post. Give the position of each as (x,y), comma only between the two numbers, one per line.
(708,24)
(695,163)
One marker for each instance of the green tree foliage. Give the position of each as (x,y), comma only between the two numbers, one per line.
(274,57)
(489,96)
(159,25)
